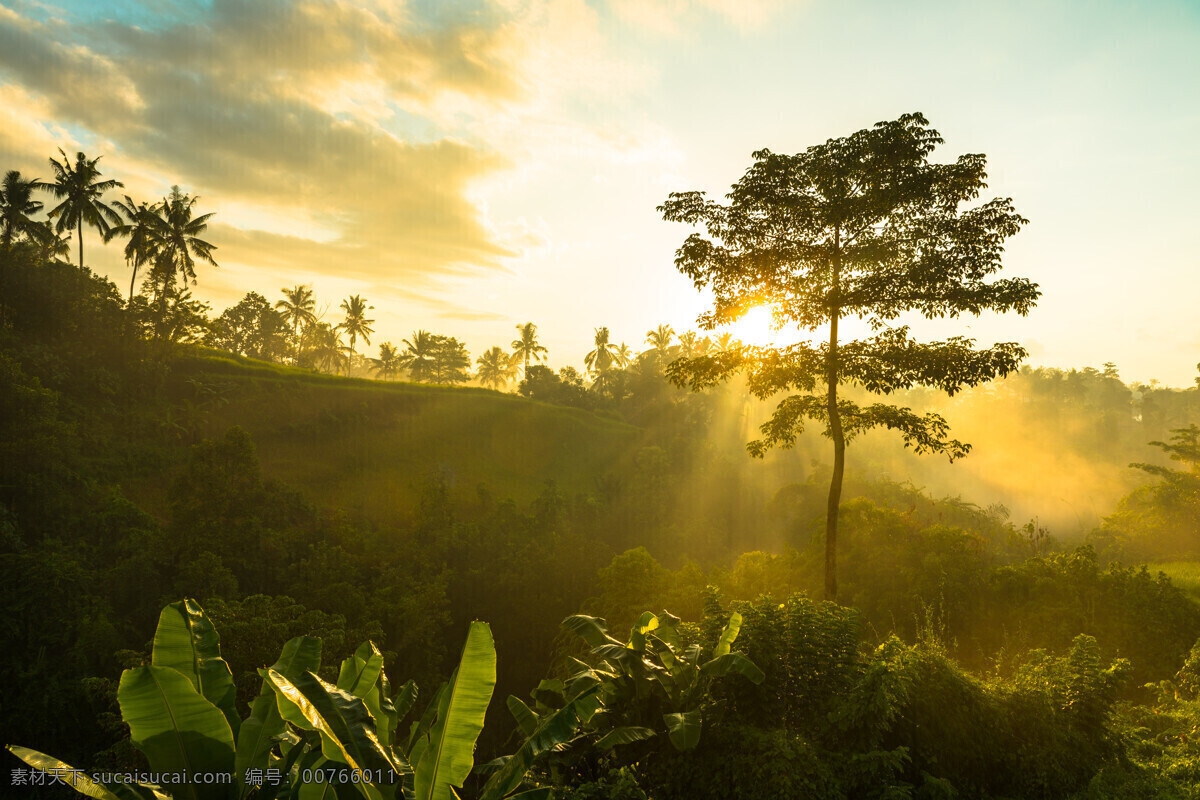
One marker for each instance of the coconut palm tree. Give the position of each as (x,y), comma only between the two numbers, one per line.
(688,345)
(603,356)
(420,356)
(79,188)
(526,348)
(496,368)
(356,323)
(660,339)
(622,356)
(325,344)
(143,230)
(17,208)
(178,238)
(388,364)
(299,309)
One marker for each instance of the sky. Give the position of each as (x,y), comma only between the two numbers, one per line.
(469,166)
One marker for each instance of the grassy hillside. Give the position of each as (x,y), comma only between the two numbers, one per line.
(367,446)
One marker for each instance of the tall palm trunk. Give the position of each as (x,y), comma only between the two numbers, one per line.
(81,242)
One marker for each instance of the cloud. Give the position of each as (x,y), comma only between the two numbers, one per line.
(238,105)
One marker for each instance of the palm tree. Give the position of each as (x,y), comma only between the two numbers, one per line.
(496,368)
(660,339)
(420,357)
(356,323)
(600,359)
(388,364)
(299,309)
(79,188)
(177,238)
(143,231)
(688,346)
(622,356)
(326,345)
(527,348)
(17,208)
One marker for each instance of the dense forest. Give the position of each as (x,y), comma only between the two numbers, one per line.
(1024,622)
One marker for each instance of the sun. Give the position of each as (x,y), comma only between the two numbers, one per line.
(756,328)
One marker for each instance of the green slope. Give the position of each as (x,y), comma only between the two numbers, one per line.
(368,445)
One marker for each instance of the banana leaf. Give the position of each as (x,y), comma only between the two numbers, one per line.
(74,778)
(449,756)
(684,729)
(258,731)
(626,734)
(187,641)
(555,729)
(733,663)
(725,643)
(177,729)
(346,727)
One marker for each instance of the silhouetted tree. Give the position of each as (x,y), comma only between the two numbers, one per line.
(298,309)
(863,226)
(388,364)
(451,362)
(143,228)
(496,368)
(356,323)
(600,359)
(79,188)
(420,355)
(526,348)
(177,239)
(660,339)
(251,328)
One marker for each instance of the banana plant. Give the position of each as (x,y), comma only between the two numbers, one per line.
(322,740)
(634,692)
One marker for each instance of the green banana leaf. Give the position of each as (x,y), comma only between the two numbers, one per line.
(591,629)
(404,699)
(733,663)
(637,636)
(186,641)
(728,635)
(177,729)
(684,729)
(346,727)
(362,676)
(258,731)
(526,717)
(626,734)
(418,739)
(74,778)
(449,756)
(556,728)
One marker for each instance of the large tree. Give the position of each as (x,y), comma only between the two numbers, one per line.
(604,356)
(356,324)
(79,188)
(143,229)
(177,239)
(526,348)
(17,209)
(863,226)
(496,368)
(420,355)
(299,309)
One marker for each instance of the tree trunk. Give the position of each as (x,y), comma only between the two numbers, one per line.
(81,243)
(838,436)
(132,281)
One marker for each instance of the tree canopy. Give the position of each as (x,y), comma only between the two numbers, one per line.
(862,226)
